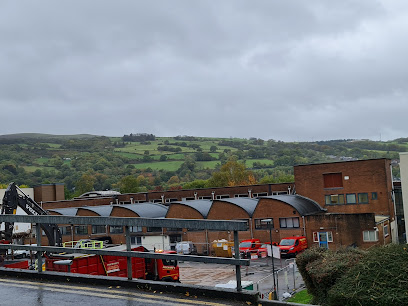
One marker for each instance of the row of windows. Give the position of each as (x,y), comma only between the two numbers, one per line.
(368,236)
(260,224)
(101,229)
(349,198)
(218,197)
(283,223)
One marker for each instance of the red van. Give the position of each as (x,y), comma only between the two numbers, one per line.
(291,246)
(248,247)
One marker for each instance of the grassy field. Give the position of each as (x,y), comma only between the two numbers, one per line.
(167,165)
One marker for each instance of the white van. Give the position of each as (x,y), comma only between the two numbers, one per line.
(186,247)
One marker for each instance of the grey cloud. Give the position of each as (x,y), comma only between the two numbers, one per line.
(291,70)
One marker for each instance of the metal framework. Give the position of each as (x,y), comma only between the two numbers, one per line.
(220,225)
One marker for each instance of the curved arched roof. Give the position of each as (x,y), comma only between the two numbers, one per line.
(71,211)
(147,210)
(247,204)
(202,206)
(102,210)
(303,205)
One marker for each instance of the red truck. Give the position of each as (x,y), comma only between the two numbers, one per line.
(108,265)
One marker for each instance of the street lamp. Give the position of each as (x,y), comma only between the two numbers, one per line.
(269,222)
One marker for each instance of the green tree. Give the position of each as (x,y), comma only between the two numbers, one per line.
(232,173)
(129,184)
(85,183)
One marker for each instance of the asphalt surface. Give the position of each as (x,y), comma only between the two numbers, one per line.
(18,292)
(259,273)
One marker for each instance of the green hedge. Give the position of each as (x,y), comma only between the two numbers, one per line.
(378,276)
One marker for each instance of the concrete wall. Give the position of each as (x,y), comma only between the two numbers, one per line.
(404,184)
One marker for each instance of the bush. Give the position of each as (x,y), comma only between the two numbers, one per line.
(321,268)
(380,278)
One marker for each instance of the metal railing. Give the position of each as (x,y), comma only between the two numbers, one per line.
(288,280)
(220,225)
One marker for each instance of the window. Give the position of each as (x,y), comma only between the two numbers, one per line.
(370,236)
(351,198)
(81,230)
(259,224)
(154,229)
(65,230)
(174,229)
(243,195)
(260,194)
(363,198)
(136,229)
(98,229)
(316,237)
(114,229)
(374,196)
(386,232)
(289,222)
(136,240)
(222,196)
(333,180)
(329,237)
(334,199)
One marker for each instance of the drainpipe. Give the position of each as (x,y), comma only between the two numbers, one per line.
(304,226)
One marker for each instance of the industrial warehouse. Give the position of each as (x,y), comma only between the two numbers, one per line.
(352,203)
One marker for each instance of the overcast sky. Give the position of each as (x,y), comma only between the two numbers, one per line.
(284,70)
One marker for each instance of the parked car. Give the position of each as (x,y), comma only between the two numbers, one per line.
(21,253)
(186,247)
(291,246)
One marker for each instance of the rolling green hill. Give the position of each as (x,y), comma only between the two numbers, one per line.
(98,162)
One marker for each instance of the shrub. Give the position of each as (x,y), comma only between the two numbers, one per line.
(321,268)
(380,278)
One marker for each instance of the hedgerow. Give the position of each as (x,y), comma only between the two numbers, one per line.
(380,278)
(321,268)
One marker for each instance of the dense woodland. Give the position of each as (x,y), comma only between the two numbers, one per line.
(145,162)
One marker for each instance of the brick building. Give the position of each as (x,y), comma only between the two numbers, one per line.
(352,190)
(333,204)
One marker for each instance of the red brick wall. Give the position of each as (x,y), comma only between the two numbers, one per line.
(364,176)
(347,229)
(269,208)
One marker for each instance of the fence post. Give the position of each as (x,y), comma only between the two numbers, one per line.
(38,239)
(128,248)
(237,267)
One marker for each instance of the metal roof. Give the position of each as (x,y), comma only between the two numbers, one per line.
(71,211)
(303,205)
(102,210)
(202,206)
(247,204)
(102,193)
(147,210)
